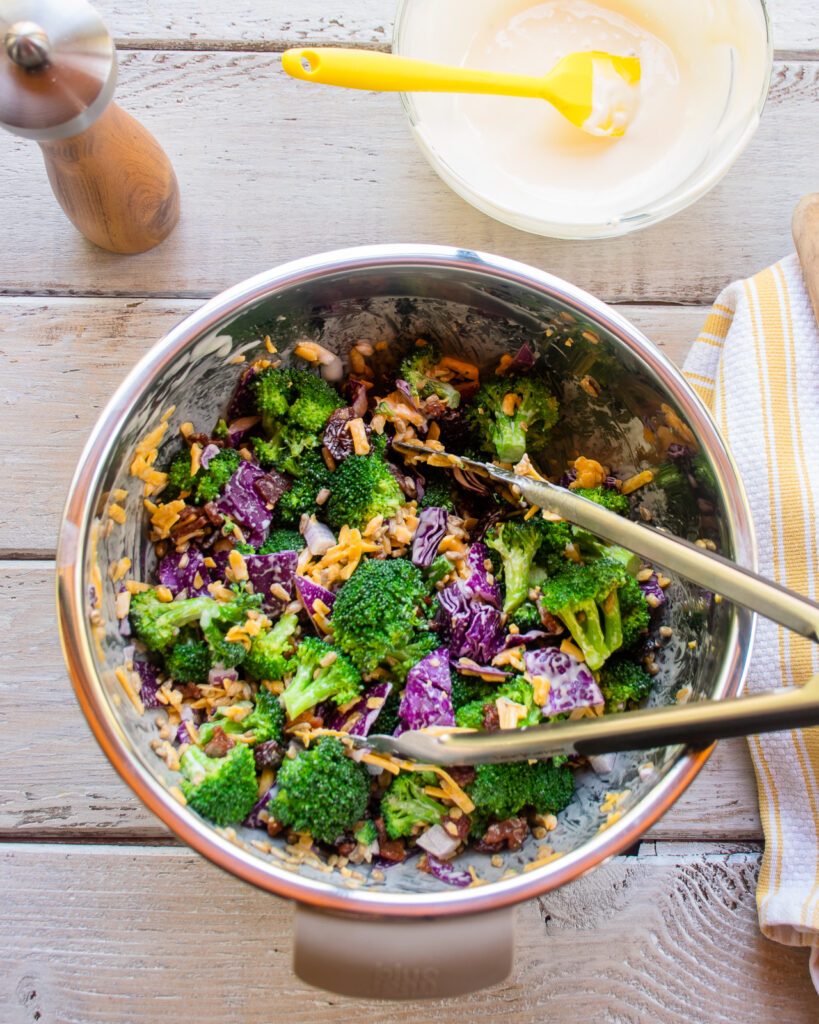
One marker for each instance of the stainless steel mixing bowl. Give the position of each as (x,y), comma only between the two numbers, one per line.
(405,934)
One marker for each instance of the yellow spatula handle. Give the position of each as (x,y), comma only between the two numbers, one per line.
(385,72)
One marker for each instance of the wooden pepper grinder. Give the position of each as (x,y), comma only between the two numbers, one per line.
(58,69)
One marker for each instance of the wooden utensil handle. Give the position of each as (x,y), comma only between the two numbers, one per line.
(806,237)
(115,183)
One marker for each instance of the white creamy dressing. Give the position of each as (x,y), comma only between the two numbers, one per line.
(614,101)
(702,72)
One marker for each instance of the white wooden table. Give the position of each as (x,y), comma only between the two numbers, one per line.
(103,916)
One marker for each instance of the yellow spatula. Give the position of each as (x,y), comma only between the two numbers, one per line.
(596,91)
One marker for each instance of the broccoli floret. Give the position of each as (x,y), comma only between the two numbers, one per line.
(188,661)
(592,547)
(366,833)
(377,611)
(221,789)
(322,791)
(527,617)
(585,599)
(509,436)
(217,618)
(500,791)
(422,371)
(268,657)
(388,720)
(158,623)
(363,487)
(314,476)
(210,482)
(180,480)
(472,715)
(613,500)
(521,692)
(294,405)
(466,689)
(401,660)
(439,570)
(555,536)
(264,722)
(405,804)
(623,683)
(282,540)
(516,542)
(314,682)
(634,611)
(437,491)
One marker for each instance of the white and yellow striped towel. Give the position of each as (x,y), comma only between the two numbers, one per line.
(756,365)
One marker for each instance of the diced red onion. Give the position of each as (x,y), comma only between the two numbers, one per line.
(318,537)
(523,360)
(438,842)
(210,451)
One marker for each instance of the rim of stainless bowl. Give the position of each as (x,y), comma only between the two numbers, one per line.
(629,221)
(77,645)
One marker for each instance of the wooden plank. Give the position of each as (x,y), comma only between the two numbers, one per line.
(63,358)
(69,788)
(274,170)
(268,24)
(100,935)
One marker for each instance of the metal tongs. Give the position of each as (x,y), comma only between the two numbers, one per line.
(698,724)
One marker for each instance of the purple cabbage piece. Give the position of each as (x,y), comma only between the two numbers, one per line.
(448,873)
(477,634)
(426,699)
(177,577)
(571,683)
(218,674)
(678,452)
(182,734)
(654,593)
(432,523)
(149,684)
(522,639)
(264,571)
(478,582)
(468,667)
(308,593)
(242,503)
(210,451)
(366,716)
(253,820)
(524,359)
(406,391)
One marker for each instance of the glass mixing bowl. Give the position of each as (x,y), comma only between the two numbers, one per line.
(461,170)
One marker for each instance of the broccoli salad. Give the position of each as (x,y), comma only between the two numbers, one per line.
(313,585)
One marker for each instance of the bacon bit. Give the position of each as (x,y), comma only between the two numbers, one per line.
(117,513)
(118,569)
(638,480)
(123,678)
(238,566)
(589,473)
(164,594)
